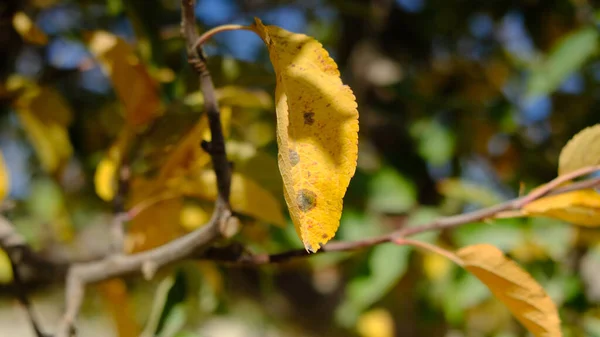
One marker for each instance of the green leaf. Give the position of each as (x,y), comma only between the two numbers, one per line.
(435,142)
(568,55)
(391,192)
(387,265)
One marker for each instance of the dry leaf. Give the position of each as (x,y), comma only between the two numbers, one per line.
(28,30)
(130,78)
(45,116)
(578,207)
(247,197)
(114,293)
(581,151)
(317,132)
(523,296)
(4,178)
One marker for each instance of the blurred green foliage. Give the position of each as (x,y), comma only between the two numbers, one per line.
(460,102)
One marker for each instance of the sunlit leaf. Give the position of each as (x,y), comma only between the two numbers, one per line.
(130,78)
(376,323)
(317,132)
(28,30)
(45,116)
(578,207)
(247,197)
(581,151)
(114,294)
(194,216)
(4,178)
(106,171)
(514,287)
(6,272)
(567,56)
(235,96)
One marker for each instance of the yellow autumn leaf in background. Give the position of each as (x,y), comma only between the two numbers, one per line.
(133,84)
(578,207)
(28,30)
(234,96)
(106,171)
(45,116)
(4,179)
(514,287)
(115,295)
(247,197)
(155,225)
(581,151)
(317,132)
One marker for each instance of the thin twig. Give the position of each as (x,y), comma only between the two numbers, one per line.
(553,187)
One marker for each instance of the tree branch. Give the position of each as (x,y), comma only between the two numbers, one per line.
(81,274)
(241,257)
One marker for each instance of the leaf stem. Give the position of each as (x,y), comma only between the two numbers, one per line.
(210,33)
(432,248)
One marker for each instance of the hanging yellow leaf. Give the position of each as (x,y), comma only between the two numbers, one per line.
(514,287)
(578,207)
(581,151)
(4,179)
(45,116)
(28,30)
(247,197)
(317,132)
(133,84)
(114,294)
(106,171)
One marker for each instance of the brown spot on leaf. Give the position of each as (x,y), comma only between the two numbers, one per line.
(324,236)
(306,200)
(309,118)
(294,158)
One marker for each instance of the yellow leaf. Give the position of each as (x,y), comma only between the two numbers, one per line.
(581,151)
(194,216)
(6,271)
(578,207)
(106,171)
(375,323)
(436,267)
(28,30)
(514,287)
(45,116)
(130,78)
(317,132)
(234,96)
(4,178)
(114,294)
(188,155)
(155,225)
(247,197)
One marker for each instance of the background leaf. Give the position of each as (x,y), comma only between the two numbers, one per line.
(578,207)
(581,151)
(523,296)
